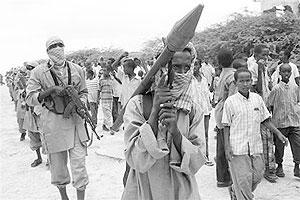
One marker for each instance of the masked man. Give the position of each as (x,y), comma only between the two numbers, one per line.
(65,136)
(163,147)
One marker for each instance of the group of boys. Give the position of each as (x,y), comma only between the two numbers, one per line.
(112,86)
(245,99)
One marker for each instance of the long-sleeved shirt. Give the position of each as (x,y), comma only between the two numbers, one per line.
(157,170)
(59,132)
(285,98)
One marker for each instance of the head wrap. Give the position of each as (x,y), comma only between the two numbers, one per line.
(53,40)
(182,89)
(56,55)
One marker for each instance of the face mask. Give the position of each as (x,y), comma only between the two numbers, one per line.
(57,55)
(181,83)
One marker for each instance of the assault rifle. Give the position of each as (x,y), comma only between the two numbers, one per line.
(82,111)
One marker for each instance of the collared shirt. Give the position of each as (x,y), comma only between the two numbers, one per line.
(244,117)
(208,72)
(225,88)
(128,86)
(285,100)
(277,77)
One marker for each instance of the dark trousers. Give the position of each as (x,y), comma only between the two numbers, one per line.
(115,109)
(94,111)
(293,134)
(223,174)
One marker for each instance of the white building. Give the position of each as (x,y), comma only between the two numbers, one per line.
(269,4)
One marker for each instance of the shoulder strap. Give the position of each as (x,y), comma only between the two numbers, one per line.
(54,76)
(69,73)
(147,105)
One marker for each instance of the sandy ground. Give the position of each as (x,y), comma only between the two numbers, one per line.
(105,164)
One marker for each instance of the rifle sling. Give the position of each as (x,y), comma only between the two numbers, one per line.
(54,75)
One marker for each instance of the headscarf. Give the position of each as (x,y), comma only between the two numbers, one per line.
(184,85)
(56,55)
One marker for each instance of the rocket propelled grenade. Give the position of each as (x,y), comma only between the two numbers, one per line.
(180,35)
(184,30)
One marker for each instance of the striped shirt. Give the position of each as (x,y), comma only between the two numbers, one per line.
(93,87)
(244,116)
(106,90)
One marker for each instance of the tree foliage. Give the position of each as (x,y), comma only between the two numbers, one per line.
(242,32)
(93,55)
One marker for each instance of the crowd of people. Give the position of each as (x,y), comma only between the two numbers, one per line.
(256,101)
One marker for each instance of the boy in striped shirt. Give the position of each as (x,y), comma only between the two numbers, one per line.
(242,117)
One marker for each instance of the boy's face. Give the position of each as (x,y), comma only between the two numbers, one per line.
(264,54)
(181,62)
(285,71)
(105,71)
(243,82)
(127,68)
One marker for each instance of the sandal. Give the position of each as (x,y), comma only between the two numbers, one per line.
(36,162)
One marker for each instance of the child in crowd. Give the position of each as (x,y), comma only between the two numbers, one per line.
(243,113)
(239,63)
(204,94)
(224,89)
(106,96)
(129,80)
(261,84)
(92,84)
(213,89)
(284,103)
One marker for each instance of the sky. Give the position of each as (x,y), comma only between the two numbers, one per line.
(83,24)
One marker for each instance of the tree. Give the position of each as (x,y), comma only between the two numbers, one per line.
(242,32)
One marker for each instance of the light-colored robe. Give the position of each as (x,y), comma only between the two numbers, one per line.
(158,171)
(59,132)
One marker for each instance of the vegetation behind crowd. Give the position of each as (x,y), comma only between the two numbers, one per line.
(239,34)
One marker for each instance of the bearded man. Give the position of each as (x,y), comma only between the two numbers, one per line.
(65,136)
